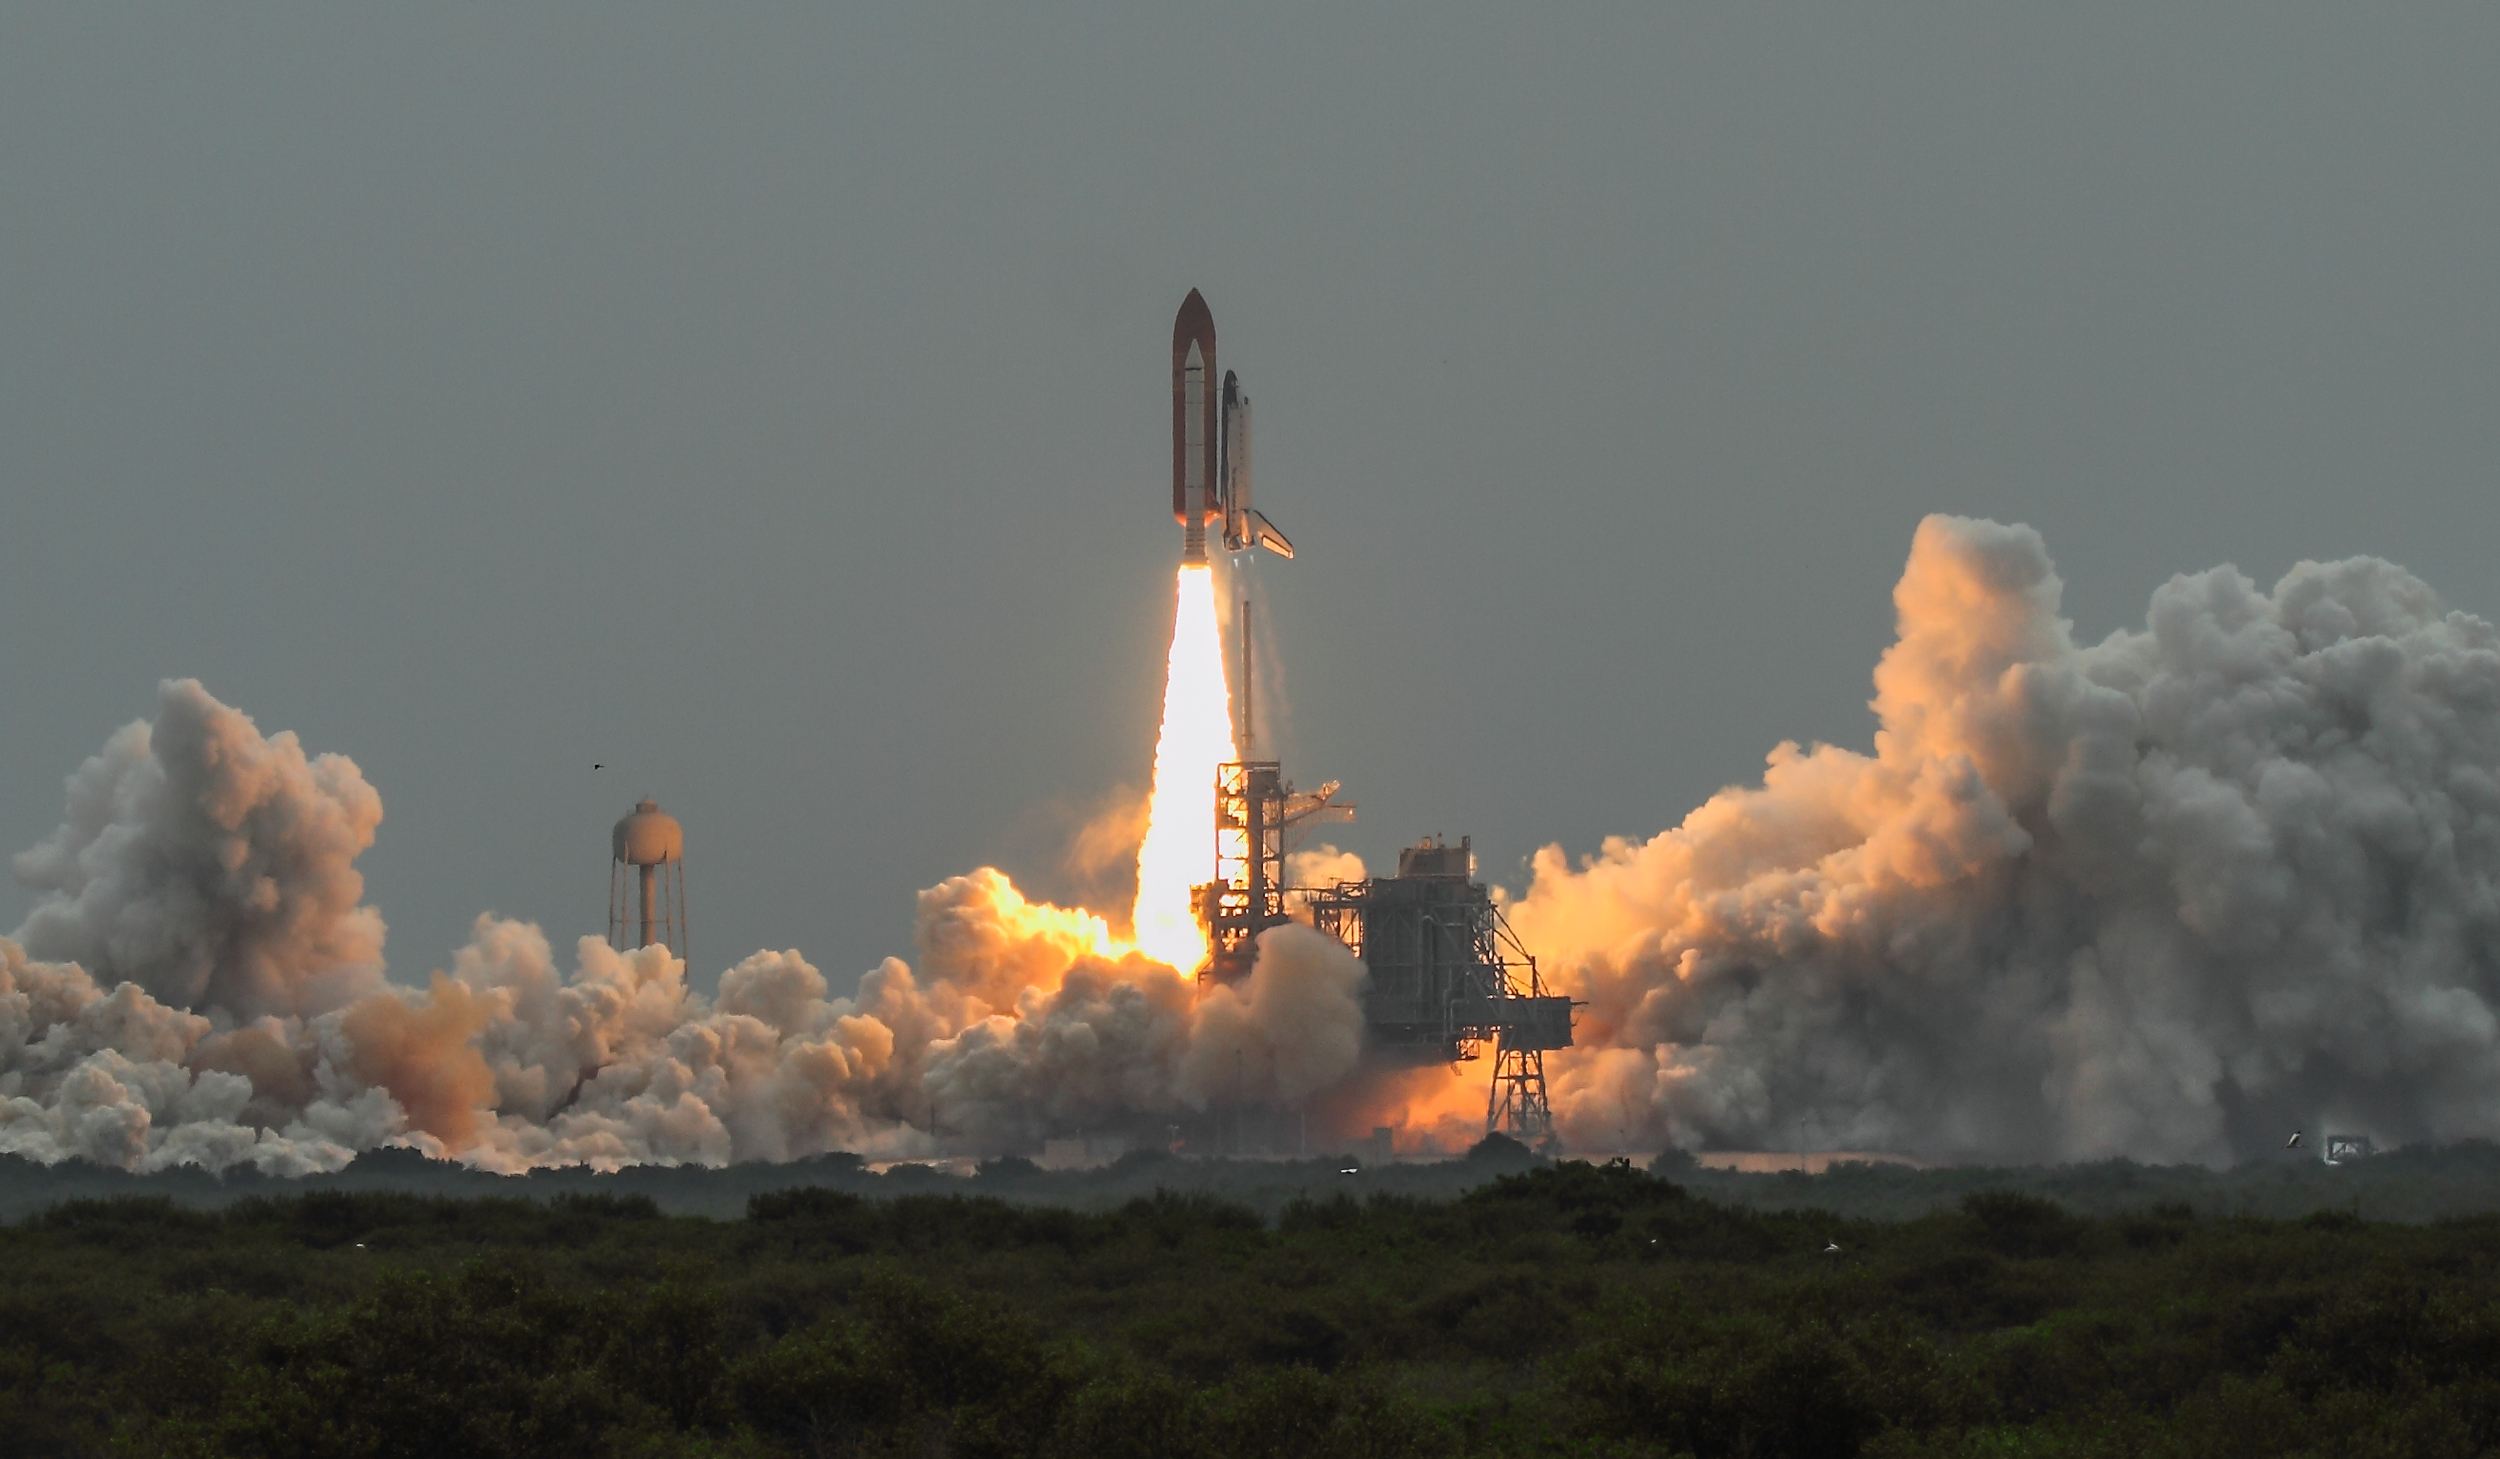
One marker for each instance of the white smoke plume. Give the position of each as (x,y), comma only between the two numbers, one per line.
(2171,895)
(199,985)
(211,867)
(2168,895)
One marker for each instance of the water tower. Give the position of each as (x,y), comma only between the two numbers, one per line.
(653,846)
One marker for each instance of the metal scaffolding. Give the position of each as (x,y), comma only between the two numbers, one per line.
(1257,815)
(1448,976)
(1517,1106)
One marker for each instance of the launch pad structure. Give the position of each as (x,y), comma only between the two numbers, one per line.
(1448,976)
(1255,808)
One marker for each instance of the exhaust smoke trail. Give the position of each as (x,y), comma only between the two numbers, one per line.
(2165,895)
(1197,736)
(241,1018)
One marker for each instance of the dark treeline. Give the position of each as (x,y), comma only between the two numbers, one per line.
(2418,1184)
(1561,1309)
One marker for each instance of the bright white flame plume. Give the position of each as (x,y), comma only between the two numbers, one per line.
(1179,850)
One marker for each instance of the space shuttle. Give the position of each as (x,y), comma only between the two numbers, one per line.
(1211,446)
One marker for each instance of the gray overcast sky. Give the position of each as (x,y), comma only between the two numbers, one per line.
(771,402)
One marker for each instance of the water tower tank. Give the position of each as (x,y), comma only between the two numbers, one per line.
(650,842)
(649,836)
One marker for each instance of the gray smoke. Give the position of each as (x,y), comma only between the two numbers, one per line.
(211,867)
(199,984)
(2170,895)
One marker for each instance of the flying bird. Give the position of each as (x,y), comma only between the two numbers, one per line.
(2294,1142)
(596,766)
(1832,1249)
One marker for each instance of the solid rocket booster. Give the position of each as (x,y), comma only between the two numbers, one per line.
(1211,446)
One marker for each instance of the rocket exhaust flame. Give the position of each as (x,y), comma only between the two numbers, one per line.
(1197,737)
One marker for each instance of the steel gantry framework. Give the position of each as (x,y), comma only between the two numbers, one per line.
(1257,815)
(1449,977)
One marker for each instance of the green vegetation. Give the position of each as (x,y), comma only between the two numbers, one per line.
(1570,1309)
(2412,1185)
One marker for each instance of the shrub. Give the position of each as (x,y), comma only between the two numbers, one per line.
(2012,1224)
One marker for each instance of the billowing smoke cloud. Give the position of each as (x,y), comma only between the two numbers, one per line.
(2171,895)
(211,867)
(199,985)
(118,1078)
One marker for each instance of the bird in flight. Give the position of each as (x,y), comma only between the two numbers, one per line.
(596,766)
(2294,1142)
(1832,1249)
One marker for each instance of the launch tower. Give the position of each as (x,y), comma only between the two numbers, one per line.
(1448,978)
(1255,808)
(649,851)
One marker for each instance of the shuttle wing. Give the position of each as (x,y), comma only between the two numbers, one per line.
(1263,533)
